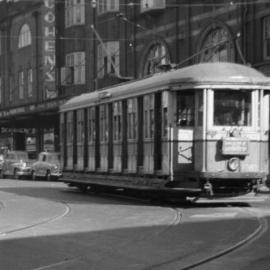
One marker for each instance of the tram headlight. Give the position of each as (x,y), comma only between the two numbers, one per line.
(233,164)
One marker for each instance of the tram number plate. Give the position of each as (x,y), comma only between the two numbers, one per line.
(232,146)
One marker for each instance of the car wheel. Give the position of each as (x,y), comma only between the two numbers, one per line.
(33,175)
(48,176)
(15,174)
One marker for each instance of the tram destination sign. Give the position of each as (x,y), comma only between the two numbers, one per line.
(235,146)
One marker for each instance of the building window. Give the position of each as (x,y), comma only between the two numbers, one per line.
(157,55)
(76,62)
(108,6)
(25,38)
(11,88)
(217,46)
(30,82)
(21,84)
(1,38)
(1,91)
(74,12)
(266,37)
(147,5)
(108,58)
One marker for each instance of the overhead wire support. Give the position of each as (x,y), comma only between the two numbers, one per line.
(105,49)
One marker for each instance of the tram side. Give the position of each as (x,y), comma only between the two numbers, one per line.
(200,129)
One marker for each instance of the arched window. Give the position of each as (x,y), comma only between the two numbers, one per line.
(157,55)
(217,46)
(25,38)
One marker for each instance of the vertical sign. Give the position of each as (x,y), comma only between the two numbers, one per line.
(49,49)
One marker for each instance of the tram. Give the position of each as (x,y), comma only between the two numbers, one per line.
(202,129)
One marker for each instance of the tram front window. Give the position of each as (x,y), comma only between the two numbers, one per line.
(232,108)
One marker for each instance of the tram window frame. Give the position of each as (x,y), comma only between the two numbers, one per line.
(228,115)
(149,116)
(91,124)
(132,118)
(80,126)
(186,109)
(117,121)
(104,122)
(70,127)
(165,119)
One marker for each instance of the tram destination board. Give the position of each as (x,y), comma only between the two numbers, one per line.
(235,146)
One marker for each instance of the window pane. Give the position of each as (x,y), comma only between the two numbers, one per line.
(185,109)
(232,108)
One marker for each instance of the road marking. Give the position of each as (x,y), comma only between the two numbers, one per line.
(215,215)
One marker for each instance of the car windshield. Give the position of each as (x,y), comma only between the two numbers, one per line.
(22,156)
(232,108)
(53,158)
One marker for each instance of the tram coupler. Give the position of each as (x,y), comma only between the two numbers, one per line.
(208,187)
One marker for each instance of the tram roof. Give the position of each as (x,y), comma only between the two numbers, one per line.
(204,75)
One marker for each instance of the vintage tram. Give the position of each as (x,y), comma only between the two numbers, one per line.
(202,128)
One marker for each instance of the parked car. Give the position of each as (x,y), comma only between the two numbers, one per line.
(1,161)
(16,164)
(47,166)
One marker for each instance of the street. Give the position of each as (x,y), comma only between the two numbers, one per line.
(46,225)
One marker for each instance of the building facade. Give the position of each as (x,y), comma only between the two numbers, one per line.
(29,100)
(78,46)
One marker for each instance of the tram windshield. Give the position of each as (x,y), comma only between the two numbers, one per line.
(232,108)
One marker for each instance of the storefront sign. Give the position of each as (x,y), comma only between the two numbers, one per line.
(49,49)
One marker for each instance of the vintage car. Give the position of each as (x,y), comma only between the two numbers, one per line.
(16,164)
(47,166)
(1,161)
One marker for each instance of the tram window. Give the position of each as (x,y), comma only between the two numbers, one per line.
(149,116)
(185,109)
(132,118)
(69,127)
(103,123)
(91,124)
(232,108)
(200,108)
(117,121)
(80,126)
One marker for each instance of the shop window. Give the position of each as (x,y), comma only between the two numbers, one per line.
(108,6)
(30,82)
(25,37)
(74,12)
(108,58)
(158,55)
(1,90)
(217,46)
(21,84)
(266,37)
(76,62)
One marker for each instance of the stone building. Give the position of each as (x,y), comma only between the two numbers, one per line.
(29,100)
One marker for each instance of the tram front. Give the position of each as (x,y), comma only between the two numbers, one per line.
(235,142)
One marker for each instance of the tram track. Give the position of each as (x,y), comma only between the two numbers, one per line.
(260,230)
(67,210)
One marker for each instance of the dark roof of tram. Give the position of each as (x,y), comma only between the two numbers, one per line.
(199,75)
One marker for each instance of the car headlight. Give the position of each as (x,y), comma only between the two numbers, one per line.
(233,164)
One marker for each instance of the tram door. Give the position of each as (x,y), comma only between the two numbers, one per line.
(185,130)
